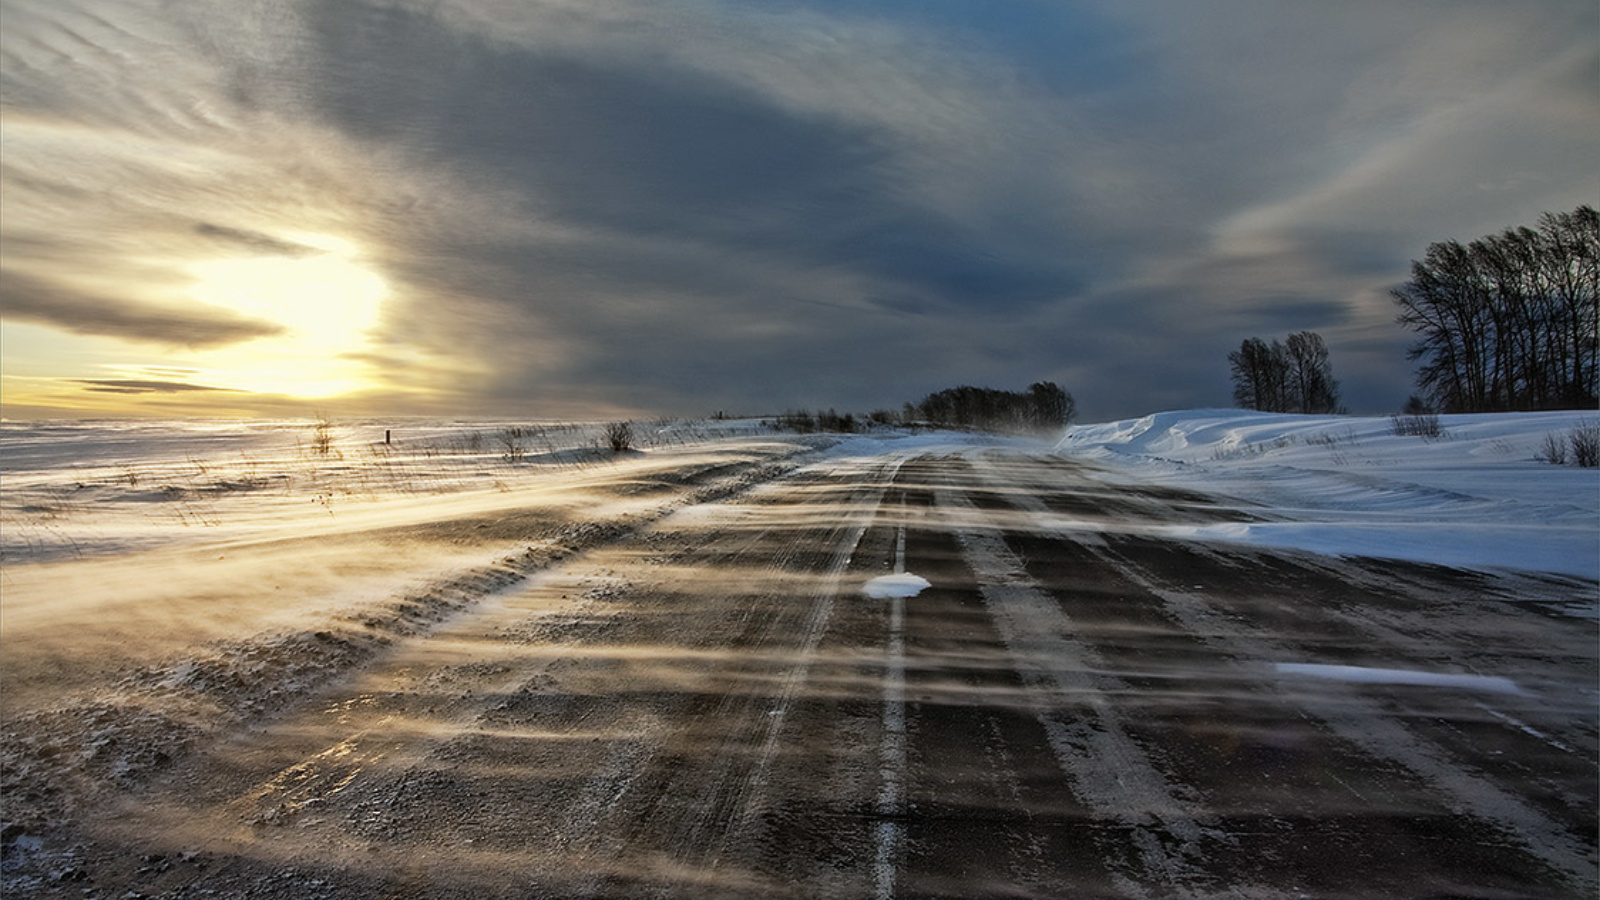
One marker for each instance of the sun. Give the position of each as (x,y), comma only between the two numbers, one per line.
(327,303)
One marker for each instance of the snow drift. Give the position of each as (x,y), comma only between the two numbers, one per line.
(1477,496)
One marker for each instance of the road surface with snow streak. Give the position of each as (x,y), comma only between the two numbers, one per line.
(710,704)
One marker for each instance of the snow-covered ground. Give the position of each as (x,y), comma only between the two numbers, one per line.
(1477,497)
(82,489)
(124,541)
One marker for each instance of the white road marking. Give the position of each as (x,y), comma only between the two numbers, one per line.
(892,752)
(1525,728)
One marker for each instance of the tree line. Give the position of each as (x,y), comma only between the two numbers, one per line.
(1293,376)
(1510,321)
(1044,406)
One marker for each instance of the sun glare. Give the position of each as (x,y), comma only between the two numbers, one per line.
(327,303)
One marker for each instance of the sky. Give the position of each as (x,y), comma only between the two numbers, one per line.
(593,208)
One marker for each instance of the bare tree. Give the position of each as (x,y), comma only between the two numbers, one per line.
(1312,386)
(1043,407)
(1051,406)
(1509,321)
(1278,377)
(1260,375)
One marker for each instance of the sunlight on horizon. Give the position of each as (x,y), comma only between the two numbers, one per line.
(328,304)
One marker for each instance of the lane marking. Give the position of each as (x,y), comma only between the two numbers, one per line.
(1525,728)
(890,833)
(860,519)
(1493,684)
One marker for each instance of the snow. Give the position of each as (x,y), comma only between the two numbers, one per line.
(901,584)
(82,489)
(1476,497)
(1368,675)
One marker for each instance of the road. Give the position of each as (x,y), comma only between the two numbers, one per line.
(1082,704)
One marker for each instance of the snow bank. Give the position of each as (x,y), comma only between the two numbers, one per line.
(1475,497)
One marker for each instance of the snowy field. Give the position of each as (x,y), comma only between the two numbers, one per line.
(128,541)
(83,489)
(1478,496)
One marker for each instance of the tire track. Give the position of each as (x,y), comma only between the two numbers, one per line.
(700,807)
(1348,712)
(370,761)
(1363,722)
(860,517)
(693,817)
(1169,831)
(700,710)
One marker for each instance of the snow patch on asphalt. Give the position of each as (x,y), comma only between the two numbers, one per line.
(1368,675)
(903,584)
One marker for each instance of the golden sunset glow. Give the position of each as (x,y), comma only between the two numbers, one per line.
(327,302)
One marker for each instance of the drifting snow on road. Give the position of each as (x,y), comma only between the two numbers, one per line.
(749,665)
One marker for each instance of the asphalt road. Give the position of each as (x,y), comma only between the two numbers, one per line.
(1082,704)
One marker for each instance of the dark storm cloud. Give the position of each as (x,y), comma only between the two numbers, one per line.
(715,241)
(644,148)
(30,299)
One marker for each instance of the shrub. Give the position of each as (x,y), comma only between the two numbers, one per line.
(1423,425)
(1553,450)
(322,436)
(1584,442)
(619,437)
(511,445)
(1578,447)
(799,422)
(805,422)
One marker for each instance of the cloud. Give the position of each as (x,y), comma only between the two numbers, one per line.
(637,148)
(701,219)
(133,386)
(28,298)
(692,204)
(255,241)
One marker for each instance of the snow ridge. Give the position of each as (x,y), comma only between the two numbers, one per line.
(1477,496)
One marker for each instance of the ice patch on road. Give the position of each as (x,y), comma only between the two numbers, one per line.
(1491,683)
(901,584)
